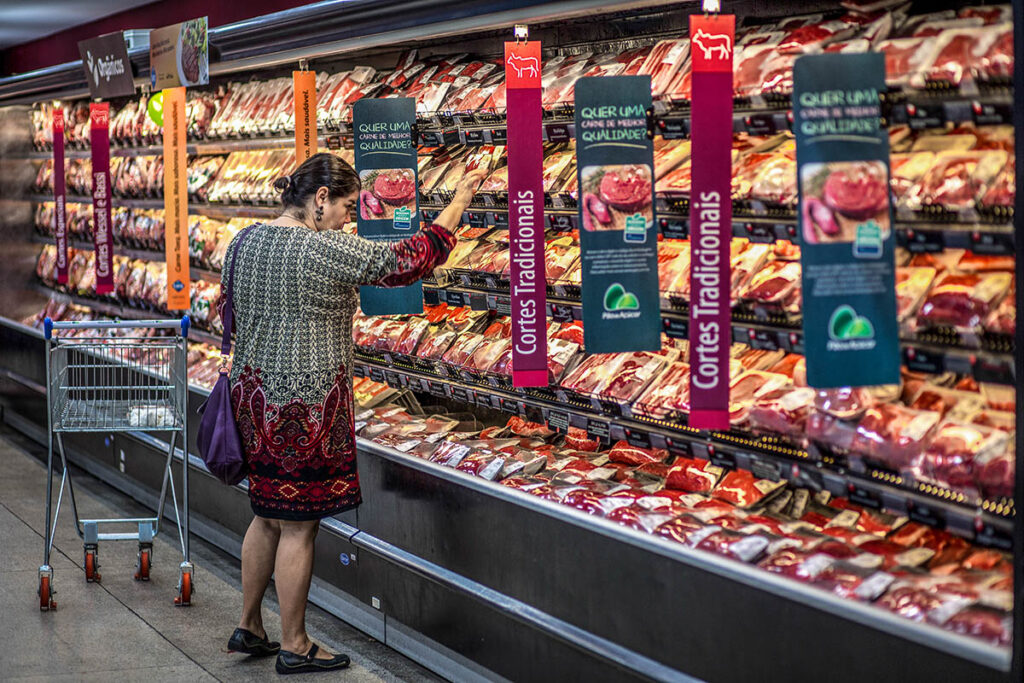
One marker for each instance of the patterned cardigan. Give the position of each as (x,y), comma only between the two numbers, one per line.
(295,292)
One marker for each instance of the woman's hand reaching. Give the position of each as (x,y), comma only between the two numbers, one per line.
(451,217)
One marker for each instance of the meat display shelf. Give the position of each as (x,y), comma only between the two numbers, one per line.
(991,361)
(987,522)
(117,310)
(226,146)
(201,209)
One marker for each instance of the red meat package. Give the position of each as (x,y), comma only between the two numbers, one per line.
(956,179)
(625,454)
(693,475)
(638,517)
(963,300)
(950,460)
(911,286)
(577,439)
(744,490)
(632,375)
(904,58)
(784,413)
(915,597)
(435,343)
(667,394)
(731,544)
(892,434)
(1003,190)
(959,53)
(522,427)
(751,386)
(462,350)
(995,473)
(991,623)
(773,283)
(796,563)
(854,580)
(997,62)
(680,529)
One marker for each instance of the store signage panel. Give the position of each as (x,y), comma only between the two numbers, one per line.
(179,287)
(618,240)
(388,199)
(712,38)
(526,214)
(179,55)
(103,239)
(304,89)
(107,69)
(60,196)
(849,287)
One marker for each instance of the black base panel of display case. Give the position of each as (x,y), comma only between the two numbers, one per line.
(519,588)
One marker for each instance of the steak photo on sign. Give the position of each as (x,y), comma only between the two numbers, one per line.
(385,191)
(612,194)
(843,199)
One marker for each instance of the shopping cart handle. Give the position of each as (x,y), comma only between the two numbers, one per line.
(48,327)
(112,324)
(185,323)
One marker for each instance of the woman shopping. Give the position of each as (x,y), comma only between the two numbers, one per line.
(295,288)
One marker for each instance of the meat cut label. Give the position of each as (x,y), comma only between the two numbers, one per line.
(103,238)
(526,214)
(304,94)
(60,195)
(388,203)
(710,326)
(847,245)
(179,286)
(179,55)
(618,242)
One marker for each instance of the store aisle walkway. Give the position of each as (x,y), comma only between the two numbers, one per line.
(121,629)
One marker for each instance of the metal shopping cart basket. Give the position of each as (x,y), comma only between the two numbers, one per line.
(105,376)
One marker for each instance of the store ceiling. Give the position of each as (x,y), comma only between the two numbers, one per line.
(25,20)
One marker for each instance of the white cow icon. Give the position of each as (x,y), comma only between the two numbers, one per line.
(528,66)
(713,44)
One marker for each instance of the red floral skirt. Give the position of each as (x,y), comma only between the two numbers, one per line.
(301,458)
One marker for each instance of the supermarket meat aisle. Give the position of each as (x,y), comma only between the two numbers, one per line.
(121,629)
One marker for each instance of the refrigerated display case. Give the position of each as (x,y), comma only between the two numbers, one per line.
(583,529)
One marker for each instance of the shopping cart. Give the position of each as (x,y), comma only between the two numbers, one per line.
(109,377)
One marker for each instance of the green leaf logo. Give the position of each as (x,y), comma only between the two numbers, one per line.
(616,298)
(846,324)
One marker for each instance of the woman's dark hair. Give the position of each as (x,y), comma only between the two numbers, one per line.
(320,170)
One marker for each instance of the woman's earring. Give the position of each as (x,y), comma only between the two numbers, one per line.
(319,213)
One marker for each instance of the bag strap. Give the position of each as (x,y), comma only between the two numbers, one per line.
(228,318)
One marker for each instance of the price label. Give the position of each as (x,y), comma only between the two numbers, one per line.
(502,305)
(558,420)
(678,448)
(759,232)
(358,371)
(431,297)
(992,114)
(921,116)
(924,241)
(763,468)
(499,136)
(991,370)
(994,537)
(760,124)
(462,394)
(865,497)
(920,360)
(674,229)
(992,243)
(377,375)
(560,222)
(763,340)
(333,142)
(561,313)
(597,429)
(638,439)
(455,298)
(438,389)
(510,405)
(673,128)
(477,300)
(677,328)
(722,458)
(499,219)
(927,514)
(557,132)
(392,379)
(474,137)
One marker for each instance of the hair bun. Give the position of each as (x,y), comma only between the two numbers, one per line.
(283,183)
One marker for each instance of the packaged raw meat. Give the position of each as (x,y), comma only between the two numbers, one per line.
(632,374)
(773,283)
(963,301)
(680,529)
(952,404)
(668,394)
(949,460)
(904,58)
(997,62)
(693,475)
(976,619)
(751,386)
(956,179)
(744,490)
(911,285)
(732,544)
(625,454)
(522,427)
(995,472)
(892,434)
(640,518)
(1002,192)
(784,413)
(796,563)
(958,54)
(906,169)
(849,579)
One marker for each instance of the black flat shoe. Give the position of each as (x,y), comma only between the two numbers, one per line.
(251,644)
(292,663)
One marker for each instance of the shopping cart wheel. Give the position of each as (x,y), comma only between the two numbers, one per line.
(184,598)
(46,601)
(92,566)
(142,568)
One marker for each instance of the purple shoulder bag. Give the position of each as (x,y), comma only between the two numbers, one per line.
(218,440)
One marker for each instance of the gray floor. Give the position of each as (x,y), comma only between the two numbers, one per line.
(120,627)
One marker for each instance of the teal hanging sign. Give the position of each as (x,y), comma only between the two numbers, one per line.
(618,240)
(388,203)
(851,335)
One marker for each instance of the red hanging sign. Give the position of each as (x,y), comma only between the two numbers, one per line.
(526,214)
(711,49)
(60,196)
(103,239)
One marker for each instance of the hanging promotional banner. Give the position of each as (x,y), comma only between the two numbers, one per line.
(526,214)
(304,89)
(179,55)
(618,242)
(60,196)
(107,69)
(388,200)
(851,334)
(179,286)
(711,39)
(103,239)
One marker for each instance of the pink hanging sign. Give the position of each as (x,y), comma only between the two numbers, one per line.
(60,196)
(103,239)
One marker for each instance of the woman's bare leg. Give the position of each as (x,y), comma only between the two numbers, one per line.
(291,579)
(259,550)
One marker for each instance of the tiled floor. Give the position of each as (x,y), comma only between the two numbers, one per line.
(125,630)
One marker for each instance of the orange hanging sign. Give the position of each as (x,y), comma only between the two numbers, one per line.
(179,287)
(304,87)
